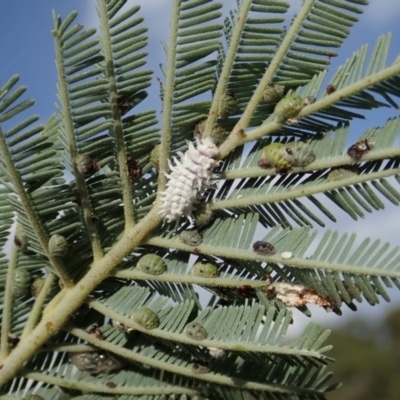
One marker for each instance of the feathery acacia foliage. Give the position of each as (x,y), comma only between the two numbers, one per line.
(84,315)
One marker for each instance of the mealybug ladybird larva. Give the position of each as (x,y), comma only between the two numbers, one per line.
(195,331)
(151,264)
(58,246)
(190,178)
(22,282)
(205,270)
(146,318)
(190,237)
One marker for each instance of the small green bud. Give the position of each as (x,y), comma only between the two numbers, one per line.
(58,246)
(151,264)
(205,270)
(146,318)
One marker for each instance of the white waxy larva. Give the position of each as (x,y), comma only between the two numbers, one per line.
(190,177)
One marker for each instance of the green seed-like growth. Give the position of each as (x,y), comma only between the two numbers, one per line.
(205,270)
(195,331)
(22,282)
(155,156)
(272,94)
(298,154)
(58,246)
(151,264)
(37,286)
(190,237)
(227,105)
(146,318)
(339,173)
(288,109)
(96,362)
(86,165)
(272,157)
(203,216)
(217,134)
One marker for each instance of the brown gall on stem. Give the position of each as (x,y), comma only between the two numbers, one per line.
(359,149)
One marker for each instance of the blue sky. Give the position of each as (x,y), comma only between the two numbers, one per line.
(26,48)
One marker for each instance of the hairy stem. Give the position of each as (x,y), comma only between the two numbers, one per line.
(99,387)
(325,102)
(73,148)
(225,252)
(185,371)
(220,344)
(236,138)
(168,97)
(303,190)
(126,184)
(7,303)
(37,308)
(228,63)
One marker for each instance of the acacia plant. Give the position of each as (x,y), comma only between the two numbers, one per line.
(155,260)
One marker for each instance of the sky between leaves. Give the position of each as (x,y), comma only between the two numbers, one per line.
(27,49)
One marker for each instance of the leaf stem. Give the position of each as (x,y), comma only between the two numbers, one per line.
(177,278)
(220,344)
(99,387)
(36,310)
(73,148)
(303,190)
(228,63)
(319,105)
(56,314)
(237,137)
(176,369)
(168,98)
(7,303)
(126,184)
(225,252)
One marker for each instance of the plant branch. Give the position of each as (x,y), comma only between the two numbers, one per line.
(56,314)
(225,252)
(177,278)
(37,307)
(7,303)
(238,137)
(126,184)
(303,190)
(168,98)
(228,63)
(274,349)
(73,148)
(176,369)
(36,224)
(99,387)
(320,164)
(325,102)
